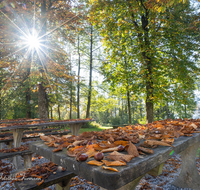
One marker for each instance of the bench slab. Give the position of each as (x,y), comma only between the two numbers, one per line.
(52,179)
(137,167)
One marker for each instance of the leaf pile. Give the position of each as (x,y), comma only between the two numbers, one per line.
(21,148)
(37,122)
(41,172)
(161,133)
(5,169)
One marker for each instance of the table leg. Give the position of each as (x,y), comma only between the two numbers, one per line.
(27,160)
(9,144)
(2,145)
(75,127)
(17,138)
(157,170)
(129,186)
(64,185)
(189,176)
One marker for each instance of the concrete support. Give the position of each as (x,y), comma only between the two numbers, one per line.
(64,185)
(17,138)
(27,160)
(75,127)
(129,186)
(9,144)
(157,170)
(189,176)
(2,145)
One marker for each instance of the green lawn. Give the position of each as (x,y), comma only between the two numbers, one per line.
(95,128)
(100,128)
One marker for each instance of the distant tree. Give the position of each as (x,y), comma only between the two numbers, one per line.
(162,38)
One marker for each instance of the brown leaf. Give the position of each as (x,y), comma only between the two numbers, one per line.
(110,149)
(114,163)
(46,138)
(154,142)
(120,157)
(132,150)
(109,168)
(95,162)
(146,150)
(39,183)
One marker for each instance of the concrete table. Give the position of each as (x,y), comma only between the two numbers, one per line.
(17,131)
(128,176)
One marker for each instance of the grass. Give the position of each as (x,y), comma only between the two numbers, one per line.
(94,128)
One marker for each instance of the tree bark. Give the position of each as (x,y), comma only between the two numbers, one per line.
(43,114)
(28,91)
(90,77)
(42,96)
(146,53)
(51,113)
(59,112)
(78,87)
(129,107)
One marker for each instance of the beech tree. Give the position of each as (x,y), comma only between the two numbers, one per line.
(162,38)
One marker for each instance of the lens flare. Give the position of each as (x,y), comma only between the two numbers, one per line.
(33,42)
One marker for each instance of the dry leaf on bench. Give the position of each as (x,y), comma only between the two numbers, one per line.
(154,142)
(114,163)
(94,162)
(120,157)
(110,149)
(132,150)
(46,138)
(146,150)
(109,168)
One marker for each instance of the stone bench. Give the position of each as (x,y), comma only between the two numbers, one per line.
(9,142)
(62,180)
(30,132)
(129,176)
(26,155)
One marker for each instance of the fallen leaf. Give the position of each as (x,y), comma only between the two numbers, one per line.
(109,168)
(39,183)
(120,157)
(154,142)
(146,150)
(110,149)
(132,150)
(95,162)
(114,163)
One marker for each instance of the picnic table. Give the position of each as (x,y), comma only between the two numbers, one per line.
(129,176)
(17,131)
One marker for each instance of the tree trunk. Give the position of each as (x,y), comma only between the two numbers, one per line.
(28,92)
(185,111)
(70,101)
(78,90)
(42,96)
(146,53)
(0,106)
(51,113)
(129,107)
(43,113)
(90,77)
(122,111)
(59,112)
